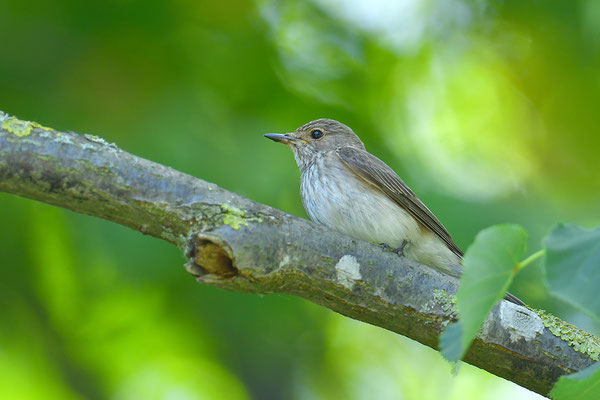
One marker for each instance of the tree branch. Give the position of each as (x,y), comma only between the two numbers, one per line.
(238,244)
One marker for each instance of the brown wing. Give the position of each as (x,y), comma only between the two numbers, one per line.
(377,173)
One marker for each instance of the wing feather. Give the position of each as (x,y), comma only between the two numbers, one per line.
(377,173)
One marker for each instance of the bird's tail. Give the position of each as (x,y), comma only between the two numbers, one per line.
(514,299)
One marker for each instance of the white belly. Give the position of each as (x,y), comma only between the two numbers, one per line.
(339,199)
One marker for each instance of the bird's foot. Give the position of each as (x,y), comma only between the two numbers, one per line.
(387,247)
(400,251)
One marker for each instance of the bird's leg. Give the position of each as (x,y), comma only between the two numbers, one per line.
(401,248)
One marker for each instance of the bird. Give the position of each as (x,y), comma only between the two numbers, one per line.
(347,189)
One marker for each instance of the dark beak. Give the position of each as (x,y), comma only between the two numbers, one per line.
(281,138)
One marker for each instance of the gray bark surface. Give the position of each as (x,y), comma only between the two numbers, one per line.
(238,244)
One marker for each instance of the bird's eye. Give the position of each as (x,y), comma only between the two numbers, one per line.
(316,134)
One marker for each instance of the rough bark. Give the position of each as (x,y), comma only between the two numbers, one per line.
(238,244)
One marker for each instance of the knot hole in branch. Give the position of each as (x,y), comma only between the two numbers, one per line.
(209,255)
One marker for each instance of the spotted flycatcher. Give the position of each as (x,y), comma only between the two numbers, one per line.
(348,189)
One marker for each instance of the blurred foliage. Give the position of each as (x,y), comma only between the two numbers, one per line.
(571,267)
(582,385)
(572,274)
(487,108)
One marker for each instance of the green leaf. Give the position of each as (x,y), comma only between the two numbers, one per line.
(451,342)
(582,385)
(489,266)
(573,266)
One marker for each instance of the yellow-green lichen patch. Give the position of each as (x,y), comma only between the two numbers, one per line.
(235,217)
(581,341)
(20,128)
(445,300)
(36,125)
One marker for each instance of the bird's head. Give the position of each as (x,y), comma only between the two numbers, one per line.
(317,137)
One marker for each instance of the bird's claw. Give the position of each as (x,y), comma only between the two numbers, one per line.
(387,247)
(399,250)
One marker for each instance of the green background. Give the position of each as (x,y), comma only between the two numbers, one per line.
(490,111)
